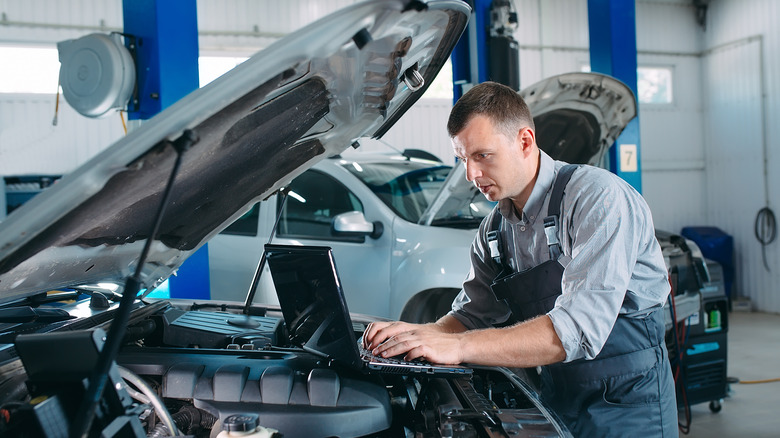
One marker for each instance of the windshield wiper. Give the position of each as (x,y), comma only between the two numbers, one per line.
(68,294)
(42,298)
(26,309)
(457,222)
(28,314)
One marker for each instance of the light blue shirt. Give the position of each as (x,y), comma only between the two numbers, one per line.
(612,259)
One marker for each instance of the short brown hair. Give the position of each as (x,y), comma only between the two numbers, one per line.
(500,103)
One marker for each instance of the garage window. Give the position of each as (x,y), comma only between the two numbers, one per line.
(29,70)
(654,85)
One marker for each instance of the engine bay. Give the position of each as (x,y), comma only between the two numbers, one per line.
(209,365)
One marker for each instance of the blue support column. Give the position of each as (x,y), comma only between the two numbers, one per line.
(470,56)
(612,26)
(166,38)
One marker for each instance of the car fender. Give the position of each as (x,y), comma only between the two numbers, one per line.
(440,261)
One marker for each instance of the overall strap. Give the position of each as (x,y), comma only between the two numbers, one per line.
(494,240)
(552,221)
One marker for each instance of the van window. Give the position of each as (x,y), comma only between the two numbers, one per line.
(314,200)
(246,225)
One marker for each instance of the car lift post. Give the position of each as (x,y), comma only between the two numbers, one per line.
(612,27)
(470,56)
(165,34)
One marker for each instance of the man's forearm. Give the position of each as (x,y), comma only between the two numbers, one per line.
(528,344)
(450,324)
(447,340)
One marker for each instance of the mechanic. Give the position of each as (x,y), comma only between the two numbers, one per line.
(573,287)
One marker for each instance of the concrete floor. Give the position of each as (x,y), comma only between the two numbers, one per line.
(750,410)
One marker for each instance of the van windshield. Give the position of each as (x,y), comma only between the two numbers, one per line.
(409,187)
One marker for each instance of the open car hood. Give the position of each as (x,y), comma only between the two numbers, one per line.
(578,116)
(306,97)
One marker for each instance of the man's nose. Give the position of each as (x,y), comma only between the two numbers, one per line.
(472,171)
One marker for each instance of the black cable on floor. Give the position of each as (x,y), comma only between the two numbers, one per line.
(765,229)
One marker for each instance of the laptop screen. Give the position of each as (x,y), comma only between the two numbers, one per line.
(312,301)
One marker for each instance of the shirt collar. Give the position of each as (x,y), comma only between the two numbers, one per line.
(533,206)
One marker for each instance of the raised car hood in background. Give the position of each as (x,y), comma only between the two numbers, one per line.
(578,116)
(306,97)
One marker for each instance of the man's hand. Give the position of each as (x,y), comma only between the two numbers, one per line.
(423,343)
(527,344)
(435,342)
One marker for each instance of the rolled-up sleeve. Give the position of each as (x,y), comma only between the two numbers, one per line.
(610,228)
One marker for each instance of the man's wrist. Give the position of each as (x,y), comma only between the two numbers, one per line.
(449,324)
(464,353)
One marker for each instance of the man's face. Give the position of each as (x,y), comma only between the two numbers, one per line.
(500,166)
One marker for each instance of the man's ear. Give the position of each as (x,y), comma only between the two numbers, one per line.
(526,138)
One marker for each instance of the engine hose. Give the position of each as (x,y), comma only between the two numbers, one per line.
(159,406)
(765,229)
(185,419)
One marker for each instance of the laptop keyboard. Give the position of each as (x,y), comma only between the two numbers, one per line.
(369,356)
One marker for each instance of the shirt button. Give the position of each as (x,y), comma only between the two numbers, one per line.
(522,228)
(533,217)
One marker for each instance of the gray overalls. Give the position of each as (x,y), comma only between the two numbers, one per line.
(626,390)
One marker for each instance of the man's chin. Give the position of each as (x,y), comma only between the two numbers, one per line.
(491,195)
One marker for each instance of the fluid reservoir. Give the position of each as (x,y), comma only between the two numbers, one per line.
(245,426)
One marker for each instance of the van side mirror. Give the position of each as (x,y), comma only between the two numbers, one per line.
(354,223)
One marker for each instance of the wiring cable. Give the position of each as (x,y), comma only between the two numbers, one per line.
(680,338)
(765,226)
(754,382)
(137,395)
(56,103)
(154,400)
(122,117)
(765,229)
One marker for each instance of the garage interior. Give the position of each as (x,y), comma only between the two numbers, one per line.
(705,139)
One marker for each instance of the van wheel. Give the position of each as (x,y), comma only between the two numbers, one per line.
(428,306)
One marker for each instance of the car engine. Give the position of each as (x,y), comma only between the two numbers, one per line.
(215,371)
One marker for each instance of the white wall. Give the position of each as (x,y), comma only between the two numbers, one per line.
(31,144)
(671,135)
(553,38)
(740,67)
(424,126)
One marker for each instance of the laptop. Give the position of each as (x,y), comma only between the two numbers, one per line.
(316,315)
